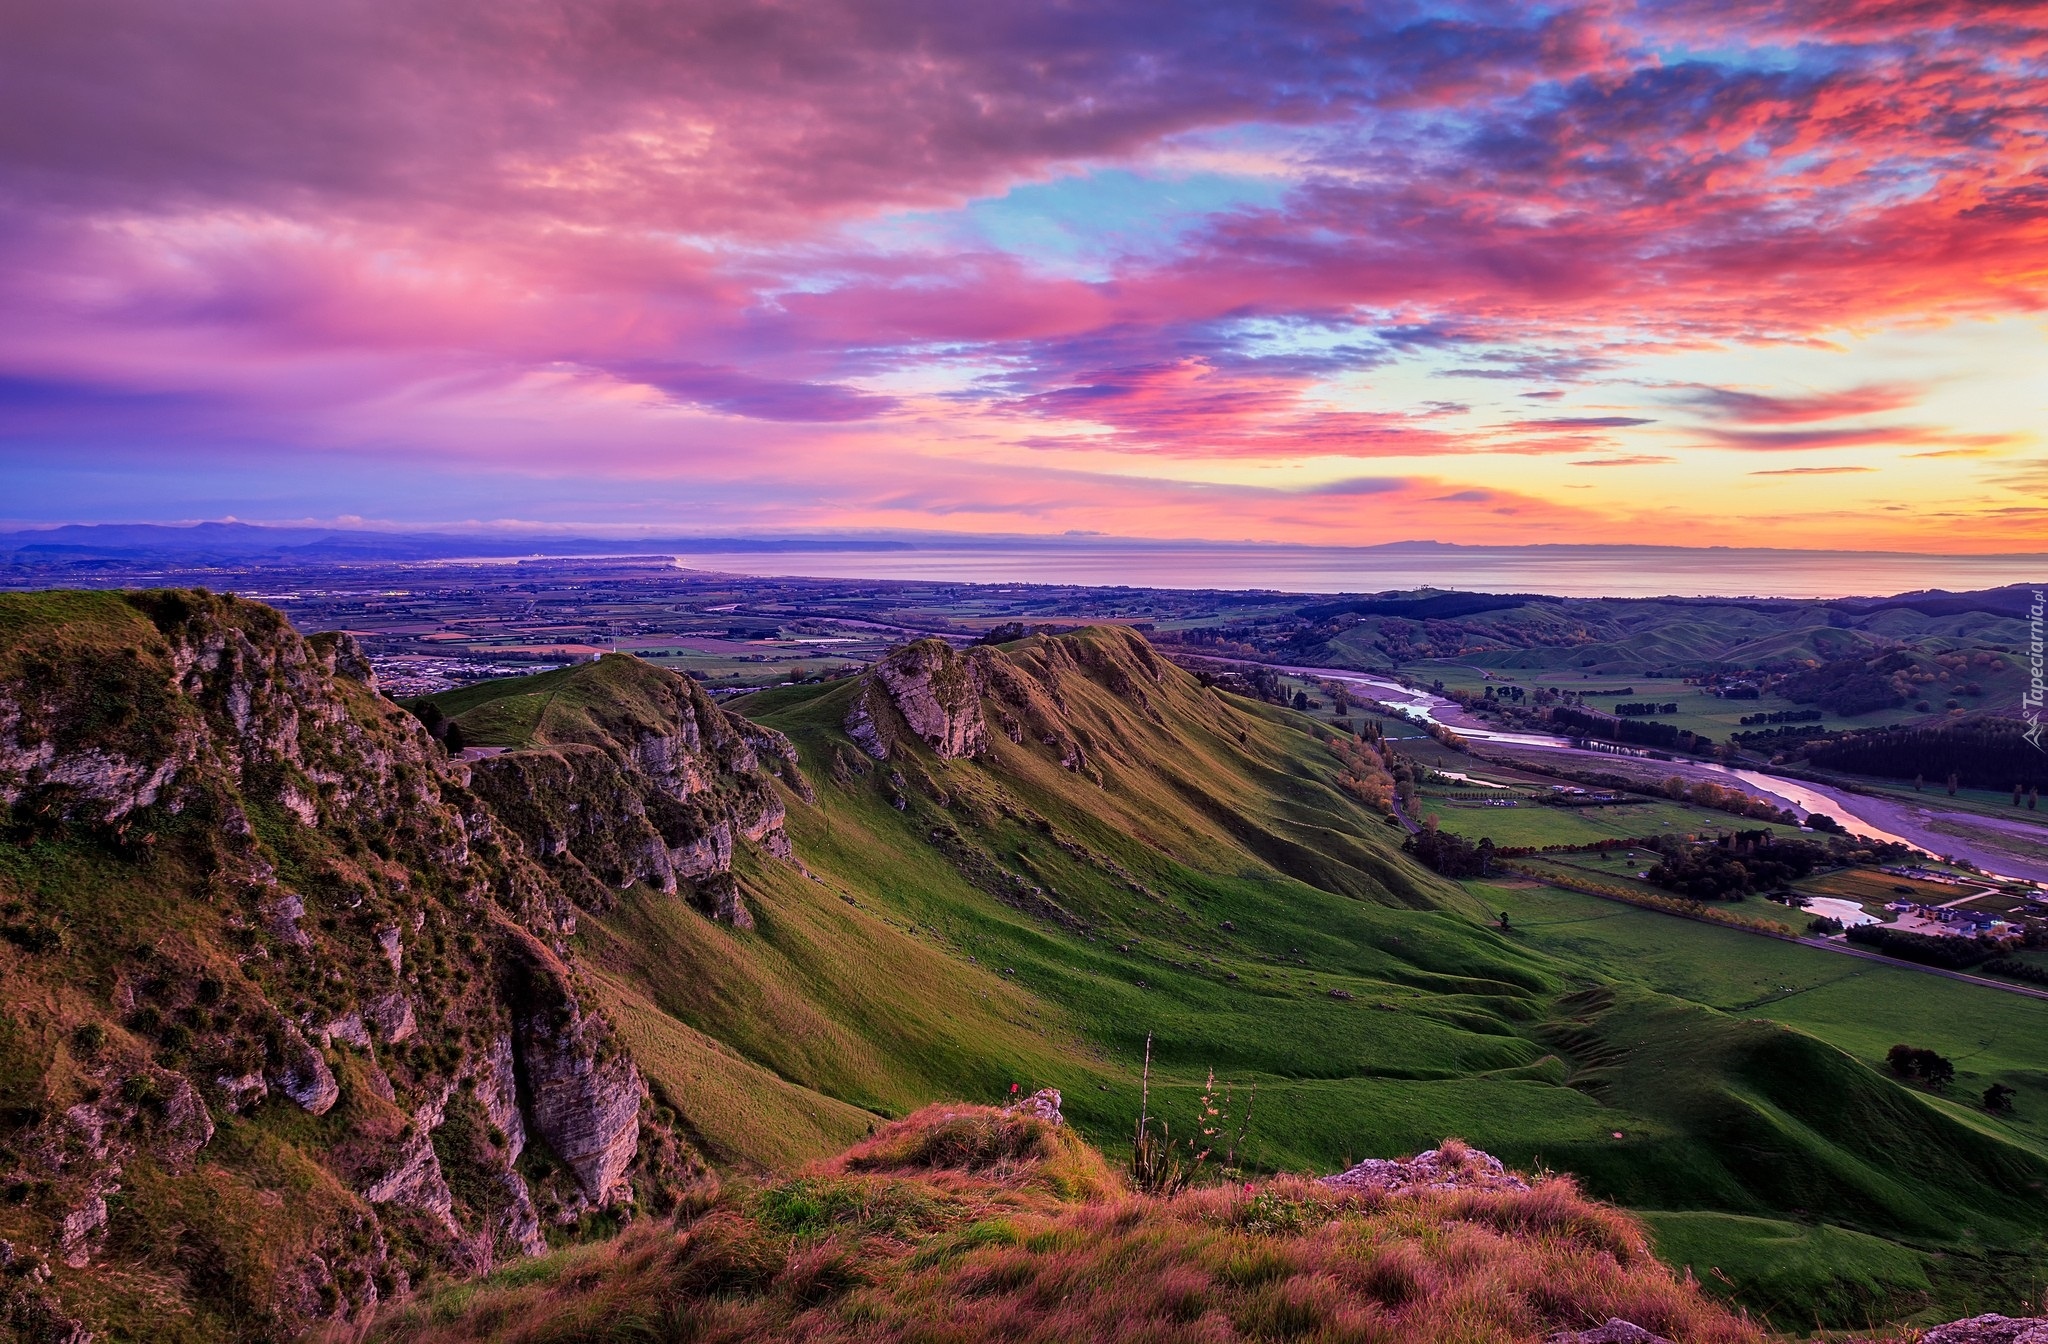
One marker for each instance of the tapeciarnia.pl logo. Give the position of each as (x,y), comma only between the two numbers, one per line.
(2031,703)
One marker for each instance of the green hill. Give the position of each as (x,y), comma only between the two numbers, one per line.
(653,937)
(1196,873)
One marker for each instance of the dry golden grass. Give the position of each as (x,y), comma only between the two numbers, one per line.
(963,1223)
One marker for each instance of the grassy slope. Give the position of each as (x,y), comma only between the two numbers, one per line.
(888,977)
(587,703)
(1856,1007)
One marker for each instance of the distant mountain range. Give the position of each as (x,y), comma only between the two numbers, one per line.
(251,543)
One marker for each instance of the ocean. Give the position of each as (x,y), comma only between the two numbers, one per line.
(1568,571)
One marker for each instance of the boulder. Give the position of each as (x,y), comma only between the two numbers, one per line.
(1450,1167)
(303,1075)
(1616,1331)
(1044,1103)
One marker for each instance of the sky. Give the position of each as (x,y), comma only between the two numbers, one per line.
(1729,273)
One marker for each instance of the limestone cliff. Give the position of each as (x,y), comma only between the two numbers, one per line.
(635,775)
(291,1015)
(944,699)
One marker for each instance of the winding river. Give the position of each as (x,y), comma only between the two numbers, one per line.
(1911,824)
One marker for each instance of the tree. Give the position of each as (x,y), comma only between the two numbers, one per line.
(1301,703)
(1998,1098)
(1908,1061)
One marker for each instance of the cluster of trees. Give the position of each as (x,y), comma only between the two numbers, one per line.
(1986,753)
(1372,773)
(1785,735)
(1850,686)
(1784,716)
(2017,969)
(1636,709)
(1587,723)
(1926,1066)
(1451,855)
(1254,682)
(1953,954)
(1722,798)
(446,731)
(1734,865)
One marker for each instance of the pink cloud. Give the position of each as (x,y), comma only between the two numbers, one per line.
(658,238)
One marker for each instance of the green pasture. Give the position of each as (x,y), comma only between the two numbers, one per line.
(1537,824)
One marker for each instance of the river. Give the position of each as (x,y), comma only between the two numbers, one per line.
(1879,818)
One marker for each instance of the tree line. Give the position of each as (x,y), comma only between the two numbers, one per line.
(1590,723)
(1987,753)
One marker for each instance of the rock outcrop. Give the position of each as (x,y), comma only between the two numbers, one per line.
(655,786)
(1450,1167)
(945,699)
(928,689)
(1044,1104)
(323,913)
(1616,1331)
(1992,1329)
(581,1094)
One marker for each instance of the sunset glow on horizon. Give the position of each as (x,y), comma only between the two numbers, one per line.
(1738,274)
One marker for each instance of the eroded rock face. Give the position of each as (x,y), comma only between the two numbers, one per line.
(402,878)
(583,813)
(659,795)
(719,897)
(581,1094)
(704,855)
(497,1090)
(415,1179)
(935,690)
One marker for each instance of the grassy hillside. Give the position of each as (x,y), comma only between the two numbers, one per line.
(965,924)
(1619,636)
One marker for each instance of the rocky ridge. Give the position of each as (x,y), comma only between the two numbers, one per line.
(945,698)
(251,888)
(653,783)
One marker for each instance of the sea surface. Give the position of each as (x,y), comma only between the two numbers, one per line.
(1568,571)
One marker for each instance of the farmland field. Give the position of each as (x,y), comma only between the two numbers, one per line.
(1698,712)
(1536,825)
